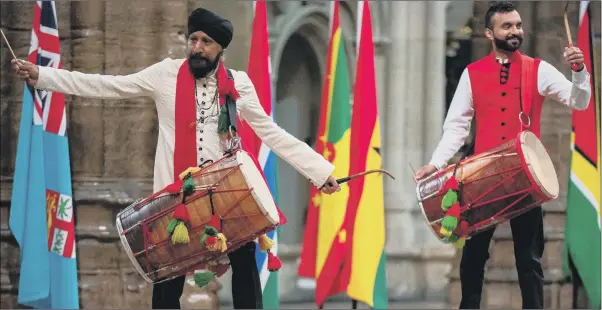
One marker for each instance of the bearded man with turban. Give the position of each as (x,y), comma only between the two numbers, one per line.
(188,94)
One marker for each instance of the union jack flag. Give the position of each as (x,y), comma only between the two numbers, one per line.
(45,51)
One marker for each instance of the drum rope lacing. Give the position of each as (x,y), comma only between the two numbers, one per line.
(200,191)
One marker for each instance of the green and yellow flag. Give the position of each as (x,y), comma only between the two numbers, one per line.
(326,212)
(582,227)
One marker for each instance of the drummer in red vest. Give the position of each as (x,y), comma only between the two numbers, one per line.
(489,90)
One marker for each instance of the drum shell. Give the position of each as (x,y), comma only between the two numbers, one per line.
(497,186)
(233,199)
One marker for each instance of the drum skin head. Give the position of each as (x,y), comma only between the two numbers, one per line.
(261,192)
(539,164)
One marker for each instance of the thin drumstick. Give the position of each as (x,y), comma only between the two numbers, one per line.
(411,167)
(568,31)
(566,24)
(8,44)
(413,172)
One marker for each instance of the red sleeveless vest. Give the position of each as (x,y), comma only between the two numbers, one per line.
(497,105)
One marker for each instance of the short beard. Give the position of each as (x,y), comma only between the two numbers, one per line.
(201,71)
(505,46)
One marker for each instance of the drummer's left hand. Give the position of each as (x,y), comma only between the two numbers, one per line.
(328,189)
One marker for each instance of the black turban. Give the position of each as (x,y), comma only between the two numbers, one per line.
(215,26)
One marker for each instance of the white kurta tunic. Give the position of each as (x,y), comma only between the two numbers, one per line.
(159,83)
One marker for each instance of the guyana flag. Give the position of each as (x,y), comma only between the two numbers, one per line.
(325,213)
(582,227)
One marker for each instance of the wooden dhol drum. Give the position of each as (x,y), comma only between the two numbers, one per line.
(240,197)
(497,185)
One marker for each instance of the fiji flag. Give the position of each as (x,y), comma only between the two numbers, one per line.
(41,212)
(260,74)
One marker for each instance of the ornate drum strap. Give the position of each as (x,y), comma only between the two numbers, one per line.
(527,77)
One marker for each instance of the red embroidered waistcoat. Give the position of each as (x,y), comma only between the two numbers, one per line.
(497,104)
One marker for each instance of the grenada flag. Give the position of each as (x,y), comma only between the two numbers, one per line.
(582,227)
(325,213)
(356,262)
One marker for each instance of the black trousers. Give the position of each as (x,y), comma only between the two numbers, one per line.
(527,234)
(246,285)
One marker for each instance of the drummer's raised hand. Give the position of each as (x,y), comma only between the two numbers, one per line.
(330,186)
(26,70)
(424,172)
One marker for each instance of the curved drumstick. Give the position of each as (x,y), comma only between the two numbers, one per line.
(568,31)
(351,177)
(8,44)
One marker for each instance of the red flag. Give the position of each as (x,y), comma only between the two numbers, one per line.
(355,263)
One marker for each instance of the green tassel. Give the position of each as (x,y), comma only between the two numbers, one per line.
(450,198)
(188,186)
(451,239)
(449,223)
(202,278)
(172,225)
(223,122)
(210,230)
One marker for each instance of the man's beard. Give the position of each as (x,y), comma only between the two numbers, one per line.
(200,66)
(506,45)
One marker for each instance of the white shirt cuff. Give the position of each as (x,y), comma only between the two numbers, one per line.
(580,77)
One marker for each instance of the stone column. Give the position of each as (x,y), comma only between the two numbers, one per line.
(400,231)
(413,128)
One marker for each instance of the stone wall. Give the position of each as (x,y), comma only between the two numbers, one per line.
(546,39)
(112,142)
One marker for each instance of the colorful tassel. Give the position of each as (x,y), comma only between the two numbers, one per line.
(451,184)
(172,225)
(459,243)
(223,120)
(180,234)
(221,245)
(450,221)
(174,188)
(202,278)
(265,243)
(181,213)
(274,263)
(189,171)
(216,243)
(177,226)
(208,240)
(450,198)
(212,238)
(188,187)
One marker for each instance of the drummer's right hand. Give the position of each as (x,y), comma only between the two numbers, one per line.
(424,171)
(26,70)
